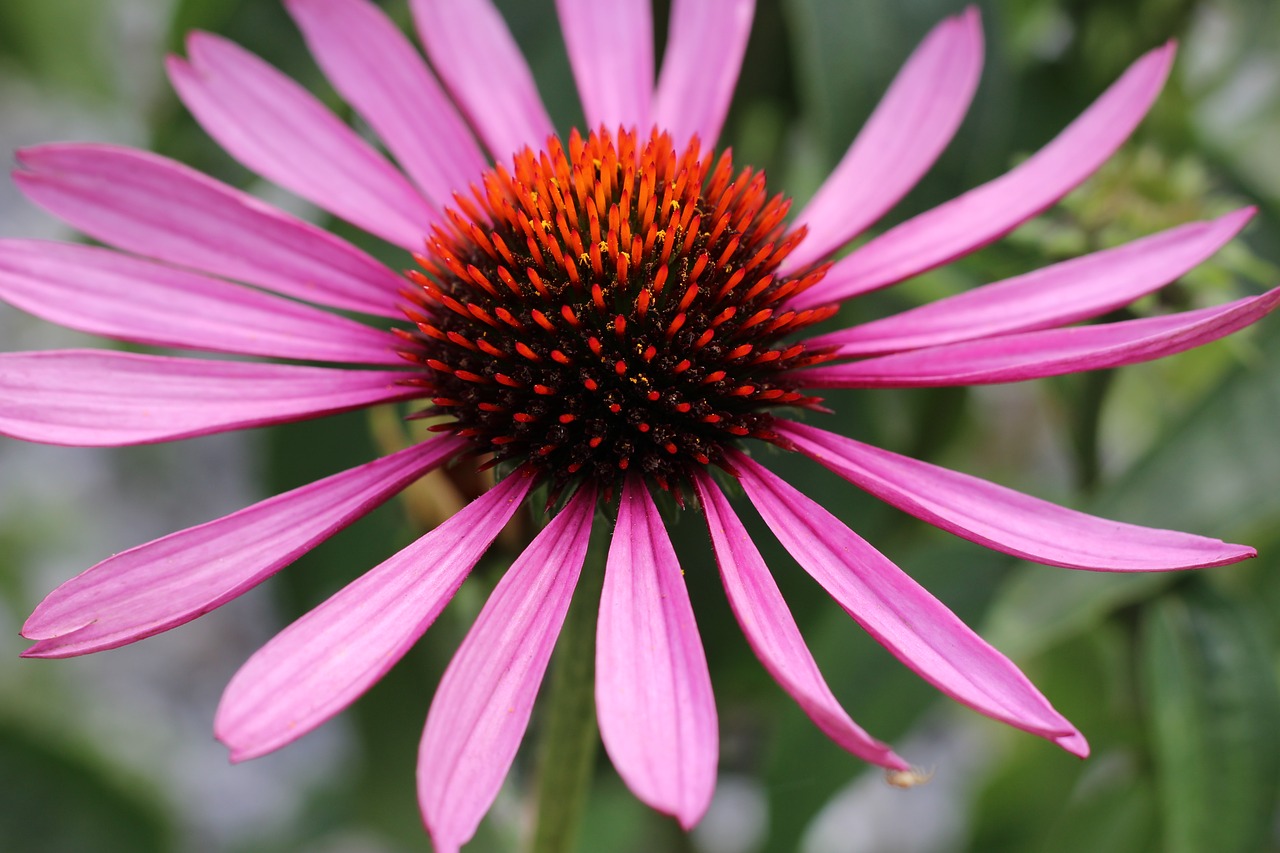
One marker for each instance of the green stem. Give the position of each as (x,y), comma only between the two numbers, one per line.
(567,756)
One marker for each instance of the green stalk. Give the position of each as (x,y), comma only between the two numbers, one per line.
(567,755)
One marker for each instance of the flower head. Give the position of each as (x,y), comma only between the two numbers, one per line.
(613,313)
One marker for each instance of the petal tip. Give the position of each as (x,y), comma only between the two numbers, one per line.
(689,815)
(1239,218)
(1074,743)
(34,651)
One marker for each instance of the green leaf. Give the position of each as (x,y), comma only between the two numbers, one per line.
(61,41)
(57,800)
(1212,704)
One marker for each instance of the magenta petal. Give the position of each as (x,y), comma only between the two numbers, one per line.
(700,68)
(378,71)
(899,613)
(1068,292)
(101,398)
(161,209)
(611,51)
(171,581)
(653,691)
(913,123)
(477,59)
(1006,520)
(326,659)
(986,213)
(770,629)
(106,293)
(482,706)
(279,130)
(1050,352)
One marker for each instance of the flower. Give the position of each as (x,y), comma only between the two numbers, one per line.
(611,315)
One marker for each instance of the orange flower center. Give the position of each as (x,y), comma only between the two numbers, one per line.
(609,308)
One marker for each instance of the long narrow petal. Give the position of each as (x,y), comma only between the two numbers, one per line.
(473,52)
(279,130)
(1006,520)
(103,292)
(1049,352)
(325,660)
(986,213)
(169,582)
(653,691)
(911,126)
(611,51)
(899,613)
(378,71)
(101,398)
(482,706)
(162,209)
(770,629)
(1073,290)
(700,68)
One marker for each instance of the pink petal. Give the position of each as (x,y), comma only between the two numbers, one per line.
(325,660)
(653,691)
(106,293)
(159,208)
(899,613)
(913,123)
(482,706)
(378,71)
(169,582)
(101,398)
(1006,520)
(767,623)
(986,213)
(1068,292)
(705,46)
(611,51)
(279,130)
(477,59)
(1049,352)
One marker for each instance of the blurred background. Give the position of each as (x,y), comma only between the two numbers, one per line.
(1173,678)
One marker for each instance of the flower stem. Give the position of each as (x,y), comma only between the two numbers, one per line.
(567,756)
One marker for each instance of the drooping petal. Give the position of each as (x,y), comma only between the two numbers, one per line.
(482,706)
(101,398)
(475,56)
(323,661)
(162,209)
(378,71)
(986,213)
(899,613)
(653,691)
(700,68)
(1006,520)
(1049,352)
(611,51)
(103,292)
(770,629)
(279,130)
(169,582)
(910,127)
(1067,292)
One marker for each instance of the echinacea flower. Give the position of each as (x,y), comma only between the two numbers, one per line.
(609,314)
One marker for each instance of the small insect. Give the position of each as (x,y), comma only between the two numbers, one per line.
(907,778)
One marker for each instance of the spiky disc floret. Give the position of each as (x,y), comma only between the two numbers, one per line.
(608,308)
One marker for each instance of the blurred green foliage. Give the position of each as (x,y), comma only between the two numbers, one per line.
(1173,678)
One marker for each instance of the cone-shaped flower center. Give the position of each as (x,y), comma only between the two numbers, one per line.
(605,308)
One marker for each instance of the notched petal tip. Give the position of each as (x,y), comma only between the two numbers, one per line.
(40,626)
(1074,743)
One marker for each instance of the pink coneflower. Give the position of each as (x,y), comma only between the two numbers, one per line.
(610,315)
